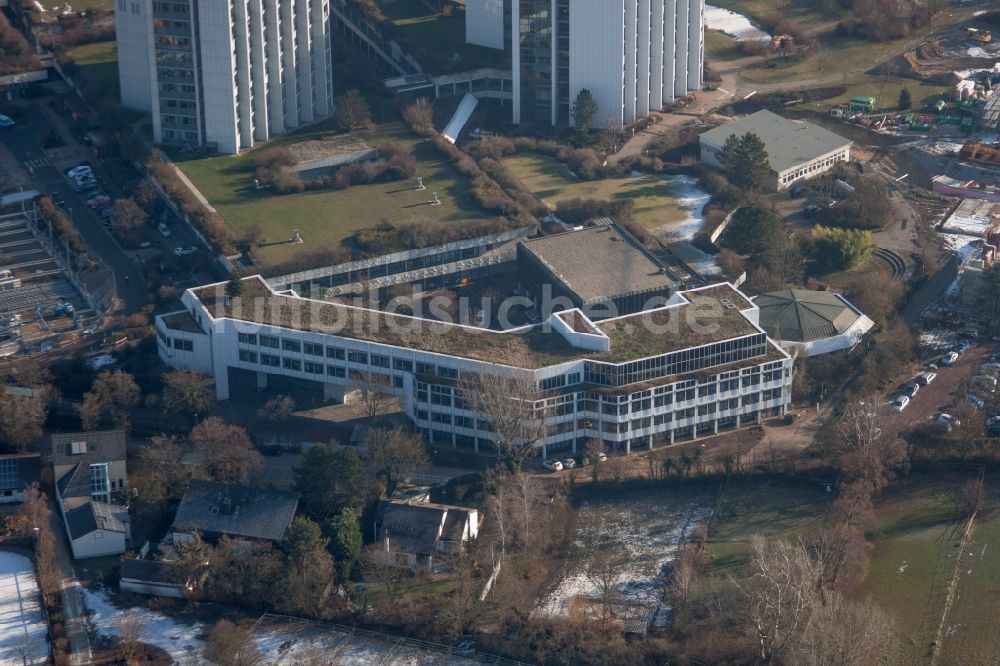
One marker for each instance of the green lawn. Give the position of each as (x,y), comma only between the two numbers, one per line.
(720,47)
(327,217)
(97,70)
(779,508)
(914,558)
(552,182)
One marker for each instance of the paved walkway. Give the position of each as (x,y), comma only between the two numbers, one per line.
(74,612)
(194,190)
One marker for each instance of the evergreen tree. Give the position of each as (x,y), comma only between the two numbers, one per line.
(235,286)
(905,99)
(585,110)
(754,231)
(347,540)
(744,160)
(330,479)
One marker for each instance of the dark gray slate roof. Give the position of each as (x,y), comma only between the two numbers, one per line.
(413,527)
(788,143)
(102,446)
(599,262)
(800,315)
(94,516)
(28,468)
(215,509)
(148,571)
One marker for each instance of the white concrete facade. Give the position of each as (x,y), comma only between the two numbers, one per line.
(634,56)
(738,380)
(233,73)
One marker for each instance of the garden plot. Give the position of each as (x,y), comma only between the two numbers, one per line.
(23,633)
(639,533)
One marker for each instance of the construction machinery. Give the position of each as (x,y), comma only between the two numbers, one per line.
(980,36)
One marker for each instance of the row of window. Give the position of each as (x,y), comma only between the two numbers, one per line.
(316,368)
(177,343)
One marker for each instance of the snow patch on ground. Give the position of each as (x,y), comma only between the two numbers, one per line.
(642,534)
(23,633)
(284,644)
(938,339)
(291,644)
(735,25)
(180,640)
(692,199)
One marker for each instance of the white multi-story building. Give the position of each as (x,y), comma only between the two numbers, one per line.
(225,74)
(634,56)
(698,365)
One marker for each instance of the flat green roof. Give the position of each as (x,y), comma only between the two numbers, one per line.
(712,316)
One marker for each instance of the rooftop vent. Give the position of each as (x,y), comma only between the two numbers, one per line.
(728,304)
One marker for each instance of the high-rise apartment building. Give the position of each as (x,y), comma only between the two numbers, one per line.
(634,56)
(227,74)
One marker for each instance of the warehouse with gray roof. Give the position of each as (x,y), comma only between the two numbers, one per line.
(796,150)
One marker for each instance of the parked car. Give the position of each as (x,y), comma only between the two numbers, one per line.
(600,457)
(144,245)
(900,403)
(185,250)
(810,211)
(925,378)
(949,358)
(993,425)
(552,465)
(946,422)
(80,170)
(164,230)
(99,201)
(911,389)
(986,382)
(5,121)
(568,462)
(963,346)
(989,367)
(86,186)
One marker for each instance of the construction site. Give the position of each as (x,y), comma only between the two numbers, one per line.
(49,296)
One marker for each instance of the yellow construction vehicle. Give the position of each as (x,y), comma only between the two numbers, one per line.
(980,36)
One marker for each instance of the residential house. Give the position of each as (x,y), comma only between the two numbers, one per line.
(88,465)
(216,509)
(90,476)
(96,529)
(17,472)
(415,534)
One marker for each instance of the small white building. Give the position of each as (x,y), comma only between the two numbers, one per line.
(810,323)
(96,529)
(796,150)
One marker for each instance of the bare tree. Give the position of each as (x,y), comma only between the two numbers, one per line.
(232,645)
(396,451)
(115,391)
(595,456)
(506,398)
(378,561)
(780,594)
(687,567)
(229,454)
(841,553)
(846,633)
(21,420)
(187,392)
(130,626)
(602,573)
(373,393)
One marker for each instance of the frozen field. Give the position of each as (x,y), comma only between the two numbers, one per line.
(735,25)
(641,532)
(23,634)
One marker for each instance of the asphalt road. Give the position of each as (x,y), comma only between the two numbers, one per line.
(24,141)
